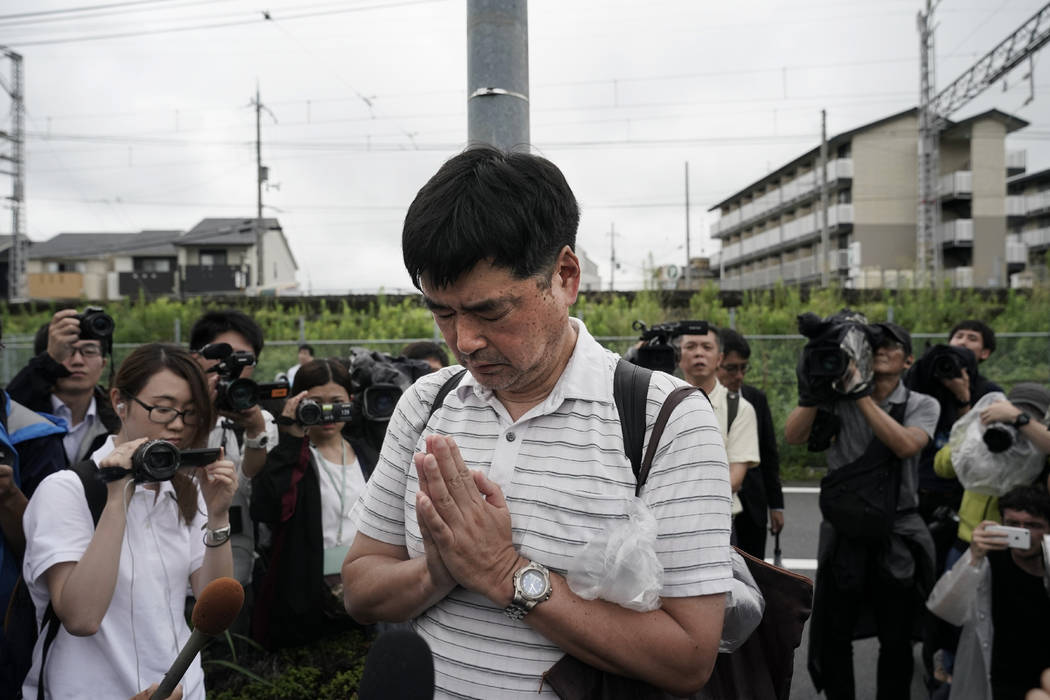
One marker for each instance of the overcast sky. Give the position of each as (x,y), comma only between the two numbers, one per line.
(151,128)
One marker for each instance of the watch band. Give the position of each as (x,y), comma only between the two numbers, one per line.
(217,537)
(259,442)
(1022,420)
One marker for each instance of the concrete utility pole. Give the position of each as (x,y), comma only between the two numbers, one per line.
(498,73)
(262,174)
(688,258)
(612,257)
(17,287)
(825,236)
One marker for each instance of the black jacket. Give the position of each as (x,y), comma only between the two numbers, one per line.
(761,489)
(294,606)
(33,385)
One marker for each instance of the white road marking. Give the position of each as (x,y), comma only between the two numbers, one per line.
(801,489)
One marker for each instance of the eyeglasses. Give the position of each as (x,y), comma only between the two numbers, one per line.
(742,368)
(87,351)
(166,414)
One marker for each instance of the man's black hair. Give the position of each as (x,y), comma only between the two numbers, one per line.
(424,349)
(1033,500)
(514,210)
(309,348)
(987,334)
(214,323)
(733,341)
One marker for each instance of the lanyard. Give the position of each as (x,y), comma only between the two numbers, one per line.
(340,488)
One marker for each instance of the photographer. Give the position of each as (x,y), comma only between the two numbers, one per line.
(873,554)
(305,493)
(245,436)
(996,593)
(118,584)
(979,339)
(62,379)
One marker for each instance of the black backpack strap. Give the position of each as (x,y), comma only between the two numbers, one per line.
(95,493)
(450,384)
(630,389)
(732,408)
(670,403)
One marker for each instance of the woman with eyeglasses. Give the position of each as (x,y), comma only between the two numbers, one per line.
(305,493)
(118,587)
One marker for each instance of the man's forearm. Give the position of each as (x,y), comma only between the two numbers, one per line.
(652,646)
(902,441)
(379,588)
(799,423)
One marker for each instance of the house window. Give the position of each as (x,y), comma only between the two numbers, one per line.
(153,265)
(67,266)
(213,257)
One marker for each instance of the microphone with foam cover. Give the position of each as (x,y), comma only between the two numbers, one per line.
(399,665)
(213,612)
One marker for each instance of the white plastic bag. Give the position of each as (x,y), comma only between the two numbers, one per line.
(620,565)
(745,606)
(985,472)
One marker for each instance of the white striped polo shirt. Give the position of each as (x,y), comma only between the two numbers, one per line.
(565,476)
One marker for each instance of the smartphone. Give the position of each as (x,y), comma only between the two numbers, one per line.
(203,456)
(1016,537)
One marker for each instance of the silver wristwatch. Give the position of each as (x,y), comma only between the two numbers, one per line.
(257,443)
(532,586)
(217,537)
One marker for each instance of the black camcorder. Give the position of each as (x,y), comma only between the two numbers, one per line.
(310,412)
(234,392)
(656,351)
(837,344)
(158,460)
(96,324)
(378,380)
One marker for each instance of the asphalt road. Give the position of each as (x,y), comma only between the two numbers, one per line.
(798,544)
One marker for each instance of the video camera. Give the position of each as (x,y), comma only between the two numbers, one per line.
(378,380)
(310,412)
(938,364)
(837,345)
(159,460)
(233,392)
(96,324)
(656,351)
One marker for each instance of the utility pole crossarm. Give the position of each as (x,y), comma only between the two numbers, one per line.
(1027,39)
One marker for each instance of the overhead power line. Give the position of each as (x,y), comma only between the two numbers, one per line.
(83,8)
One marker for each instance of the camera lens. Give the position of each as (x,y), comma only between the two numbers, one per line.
(380,401)
(240,394)
(101,325)
(998,438)
(156,460)
(309,413)
(946,367)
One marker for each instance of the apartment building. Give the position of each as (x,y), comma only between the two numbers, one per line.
(771,229)
(217,256)
(1028,228)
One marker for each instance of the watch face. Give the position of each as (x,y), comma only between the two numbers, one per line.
(533,584)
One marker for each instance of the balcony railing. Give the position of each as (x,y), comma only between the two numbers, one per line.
(790,192)
(794,230)
(960,277)
(1036,238)
(957,184)
(197,279)
(958,233)
(1016,162)
(1016,250)
(129,284)
(1037,203)
(1015,205)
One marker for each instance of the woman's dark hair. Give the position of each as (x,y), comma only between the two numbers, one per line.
(1028,499)
(135,372)
(514,210)
(214,323)
(320,372)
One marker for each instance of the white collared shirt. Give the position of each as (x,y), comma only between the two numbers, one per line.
(75,433)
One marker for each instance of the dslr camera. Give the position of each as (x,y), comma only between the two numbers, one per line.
(310,412)
(158,460)
(96,324)
(234,392)
(656,351)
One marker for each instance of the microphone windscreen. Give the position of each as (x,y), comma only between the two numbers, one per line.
(218,606)
(399,665)
(216,351)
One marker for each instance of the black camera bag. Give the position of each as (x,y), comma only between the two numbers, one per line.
(860,498)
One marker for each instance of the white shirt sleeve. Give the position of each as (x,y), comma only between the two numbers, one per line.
(58,525)
(742,442)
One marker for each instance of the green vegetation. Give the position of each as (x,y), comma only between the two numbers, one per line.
(927,313)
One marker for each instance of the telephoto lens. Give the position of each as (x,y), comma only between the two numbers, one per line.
(155,460)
